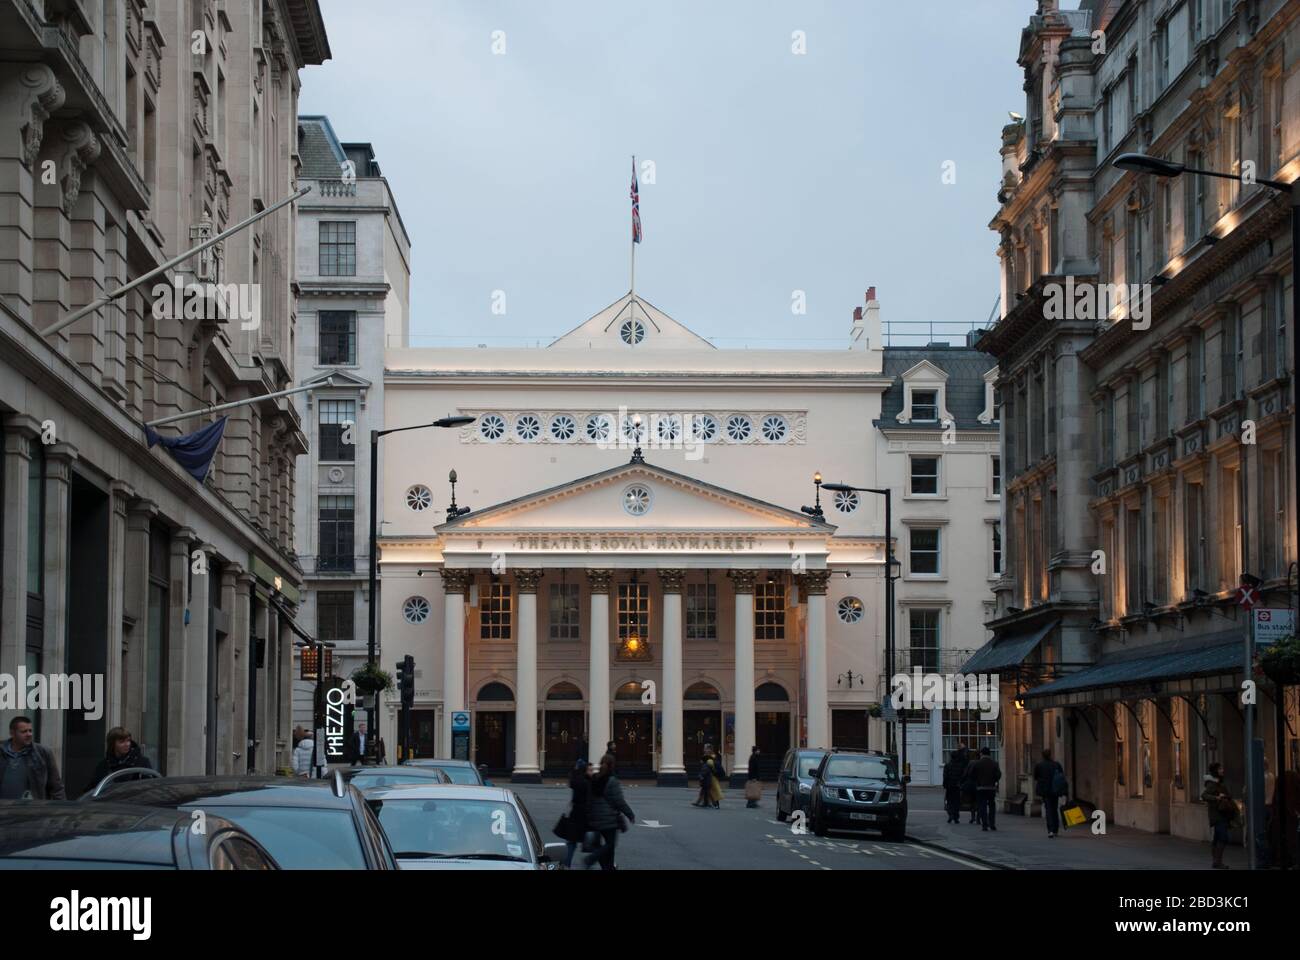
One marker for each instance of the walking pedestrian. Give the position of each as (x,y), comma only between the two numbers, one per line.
(121,753)
(606,811)
(706,774)
(968,793)
(753,787)
(30,771)
(575,820)
(1222,810)
(954,771)
(357,745)
(302,755)
(986,773)
(1049,781)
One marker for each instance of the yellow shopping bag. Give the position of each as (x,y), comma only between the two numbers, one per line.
(1074,816)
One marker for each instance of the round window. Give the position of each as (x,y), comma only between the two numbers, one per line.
(705,427)
(850,610)
(418,497)
(416,610)
(846,501)
(636,499)
(670,427)
(599,428)
(774,428)
(632,332)
(492,426)
(563,427)
(528,426)
(633,429)
(738,428)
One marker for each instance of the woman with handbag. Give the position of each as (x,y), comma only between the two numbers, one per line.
(605,811)
(573,824)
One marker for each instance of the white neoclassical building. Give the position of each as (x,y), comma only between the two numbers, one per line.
(637,565)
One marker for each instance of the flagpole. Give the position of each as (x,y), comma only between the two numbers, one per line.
(237,403)
(632,287)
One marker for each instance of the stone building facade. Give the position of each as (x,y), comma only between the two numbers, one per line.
(132,131)
(353,299)
(1147,446)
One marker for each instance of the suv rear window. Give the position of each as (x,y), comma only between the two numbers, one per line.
(301,838)
(808,762)
(860,768)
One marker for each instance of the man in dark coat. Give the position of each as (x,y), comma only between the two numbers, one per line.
(968,794)
(752,775)
(605,810)
(1045,771)
(953,773)
(121,752)
(358,745)
(28,770)
(987,774)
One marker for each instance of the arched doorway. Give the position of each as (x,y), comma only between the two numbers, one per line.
(701,724)
(633,731)
(494,728)
(771,727)
(565,736)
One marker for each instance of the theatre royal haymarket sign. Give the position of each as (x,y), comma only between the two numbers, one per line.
(613,543)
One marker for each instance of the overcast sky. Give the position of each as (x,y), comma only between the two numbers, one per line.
(775,172)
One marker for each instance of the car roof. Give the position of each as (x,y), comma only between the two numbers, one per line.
(119,832)
(439,791)
(230,792)
(430,762)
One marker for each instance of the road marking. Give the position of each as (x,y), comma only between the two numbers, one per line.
(887,851)
(654,824)
(965,863)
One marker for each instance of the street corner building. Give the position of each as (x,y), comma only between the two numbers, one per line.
(1148,452)
(132,132)
(646,558)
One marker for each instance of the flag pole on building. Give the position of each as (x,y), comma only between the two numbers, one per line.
(636,238)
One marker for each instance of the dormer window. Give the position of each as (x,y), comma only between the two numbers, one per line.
(925,406)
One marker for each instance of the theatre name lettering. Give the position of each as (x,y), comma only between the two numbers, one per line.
(618,542)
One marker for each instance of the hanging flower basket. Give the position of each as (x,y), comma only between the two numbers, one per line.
(370,679)
(1281,662)
(873,710)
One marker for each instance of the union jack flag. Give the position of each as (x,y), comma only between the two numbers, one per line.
(636,206)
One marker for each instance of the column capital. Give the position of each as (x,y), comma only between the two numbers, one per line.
(142,509)
(672,580)
(812,583)
(59,458)
(526,580)
(600,580)
(21,431)
(456,581)
(742,581)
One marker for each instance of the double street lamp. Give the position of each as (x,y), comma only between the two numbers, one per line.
(445,422)
(1154,166)
(890,565)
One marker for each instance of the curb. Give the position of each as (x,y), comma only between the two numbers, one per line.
(975,858)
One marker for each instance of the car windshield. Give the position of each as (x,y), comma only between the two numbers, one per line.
(461,774)
(364,781)
(860,768)
(460,828)
(808,763)
(302,839)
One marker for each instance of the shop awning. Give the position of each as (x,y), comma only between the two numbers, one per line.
(1163,669)
(1008,650)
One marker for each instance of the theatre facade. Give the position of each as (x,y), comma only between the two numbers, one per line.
(636,565)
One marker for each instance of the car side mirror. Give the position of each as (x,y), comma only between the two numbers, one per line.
(907,779)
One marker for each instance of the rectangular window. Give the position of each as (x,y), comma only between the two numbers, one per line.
(997,476)
(1194,539)
(701,611)
(338,337)
(1132,90)
(1273,335)
(1271,140)
(495,610)
(1272,516)
(335,417)
(36,522)
(1108,123)
(1162,55)
(1121,754)
(1107,588)
(1133,566)
(338,248)
(633,610)
(1232,152)
(334,616)
(925,406)
(336,534)
(1160,550)
(924,551)
(1228,527)
(925,475)
(565,620)
(1227,359)
(923,640)
(1133,247)
(1194,195)
(769,611)
(1165,226)
(1196,378)
(997,548)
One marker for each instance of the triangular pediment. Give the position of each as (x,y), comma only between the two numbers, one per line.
(636,496)
(649,328)
(925,370)
(338,378)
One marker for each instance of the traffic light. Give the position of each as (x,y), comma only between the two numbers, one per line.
(407,682)
(398,675)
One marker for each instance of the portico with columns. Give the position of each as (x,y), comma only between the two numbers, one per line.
(638,605)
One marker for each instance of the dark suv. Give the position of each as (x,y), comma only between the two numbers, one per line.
(794,783)
(857,790)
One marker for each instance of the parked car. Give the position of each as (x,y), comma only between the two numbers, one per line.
(857,790)
(460,771)
(70,835)
(794,782)
(458,827)
(363,778)
(305,824)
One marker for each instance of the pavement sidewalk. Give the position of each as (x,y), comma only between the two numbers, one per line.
(1021,843)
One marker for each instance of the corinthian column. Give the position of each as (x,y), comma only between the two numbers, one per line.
(813,586)
(598,681)
(526,768)
(671,771)
(742,582)
(455,584)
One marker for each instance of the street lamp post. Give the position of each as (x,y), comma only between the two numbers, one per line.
(890,564)
(445,422)
(1154,166)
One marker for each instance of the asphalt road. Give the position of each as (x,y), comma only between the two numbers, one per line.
(670,834)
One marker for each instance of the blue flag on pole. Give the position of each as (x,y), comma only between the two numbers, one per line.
(193,451)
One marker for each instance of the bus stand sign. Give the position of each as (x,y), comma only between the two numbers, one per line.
(1272,625)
